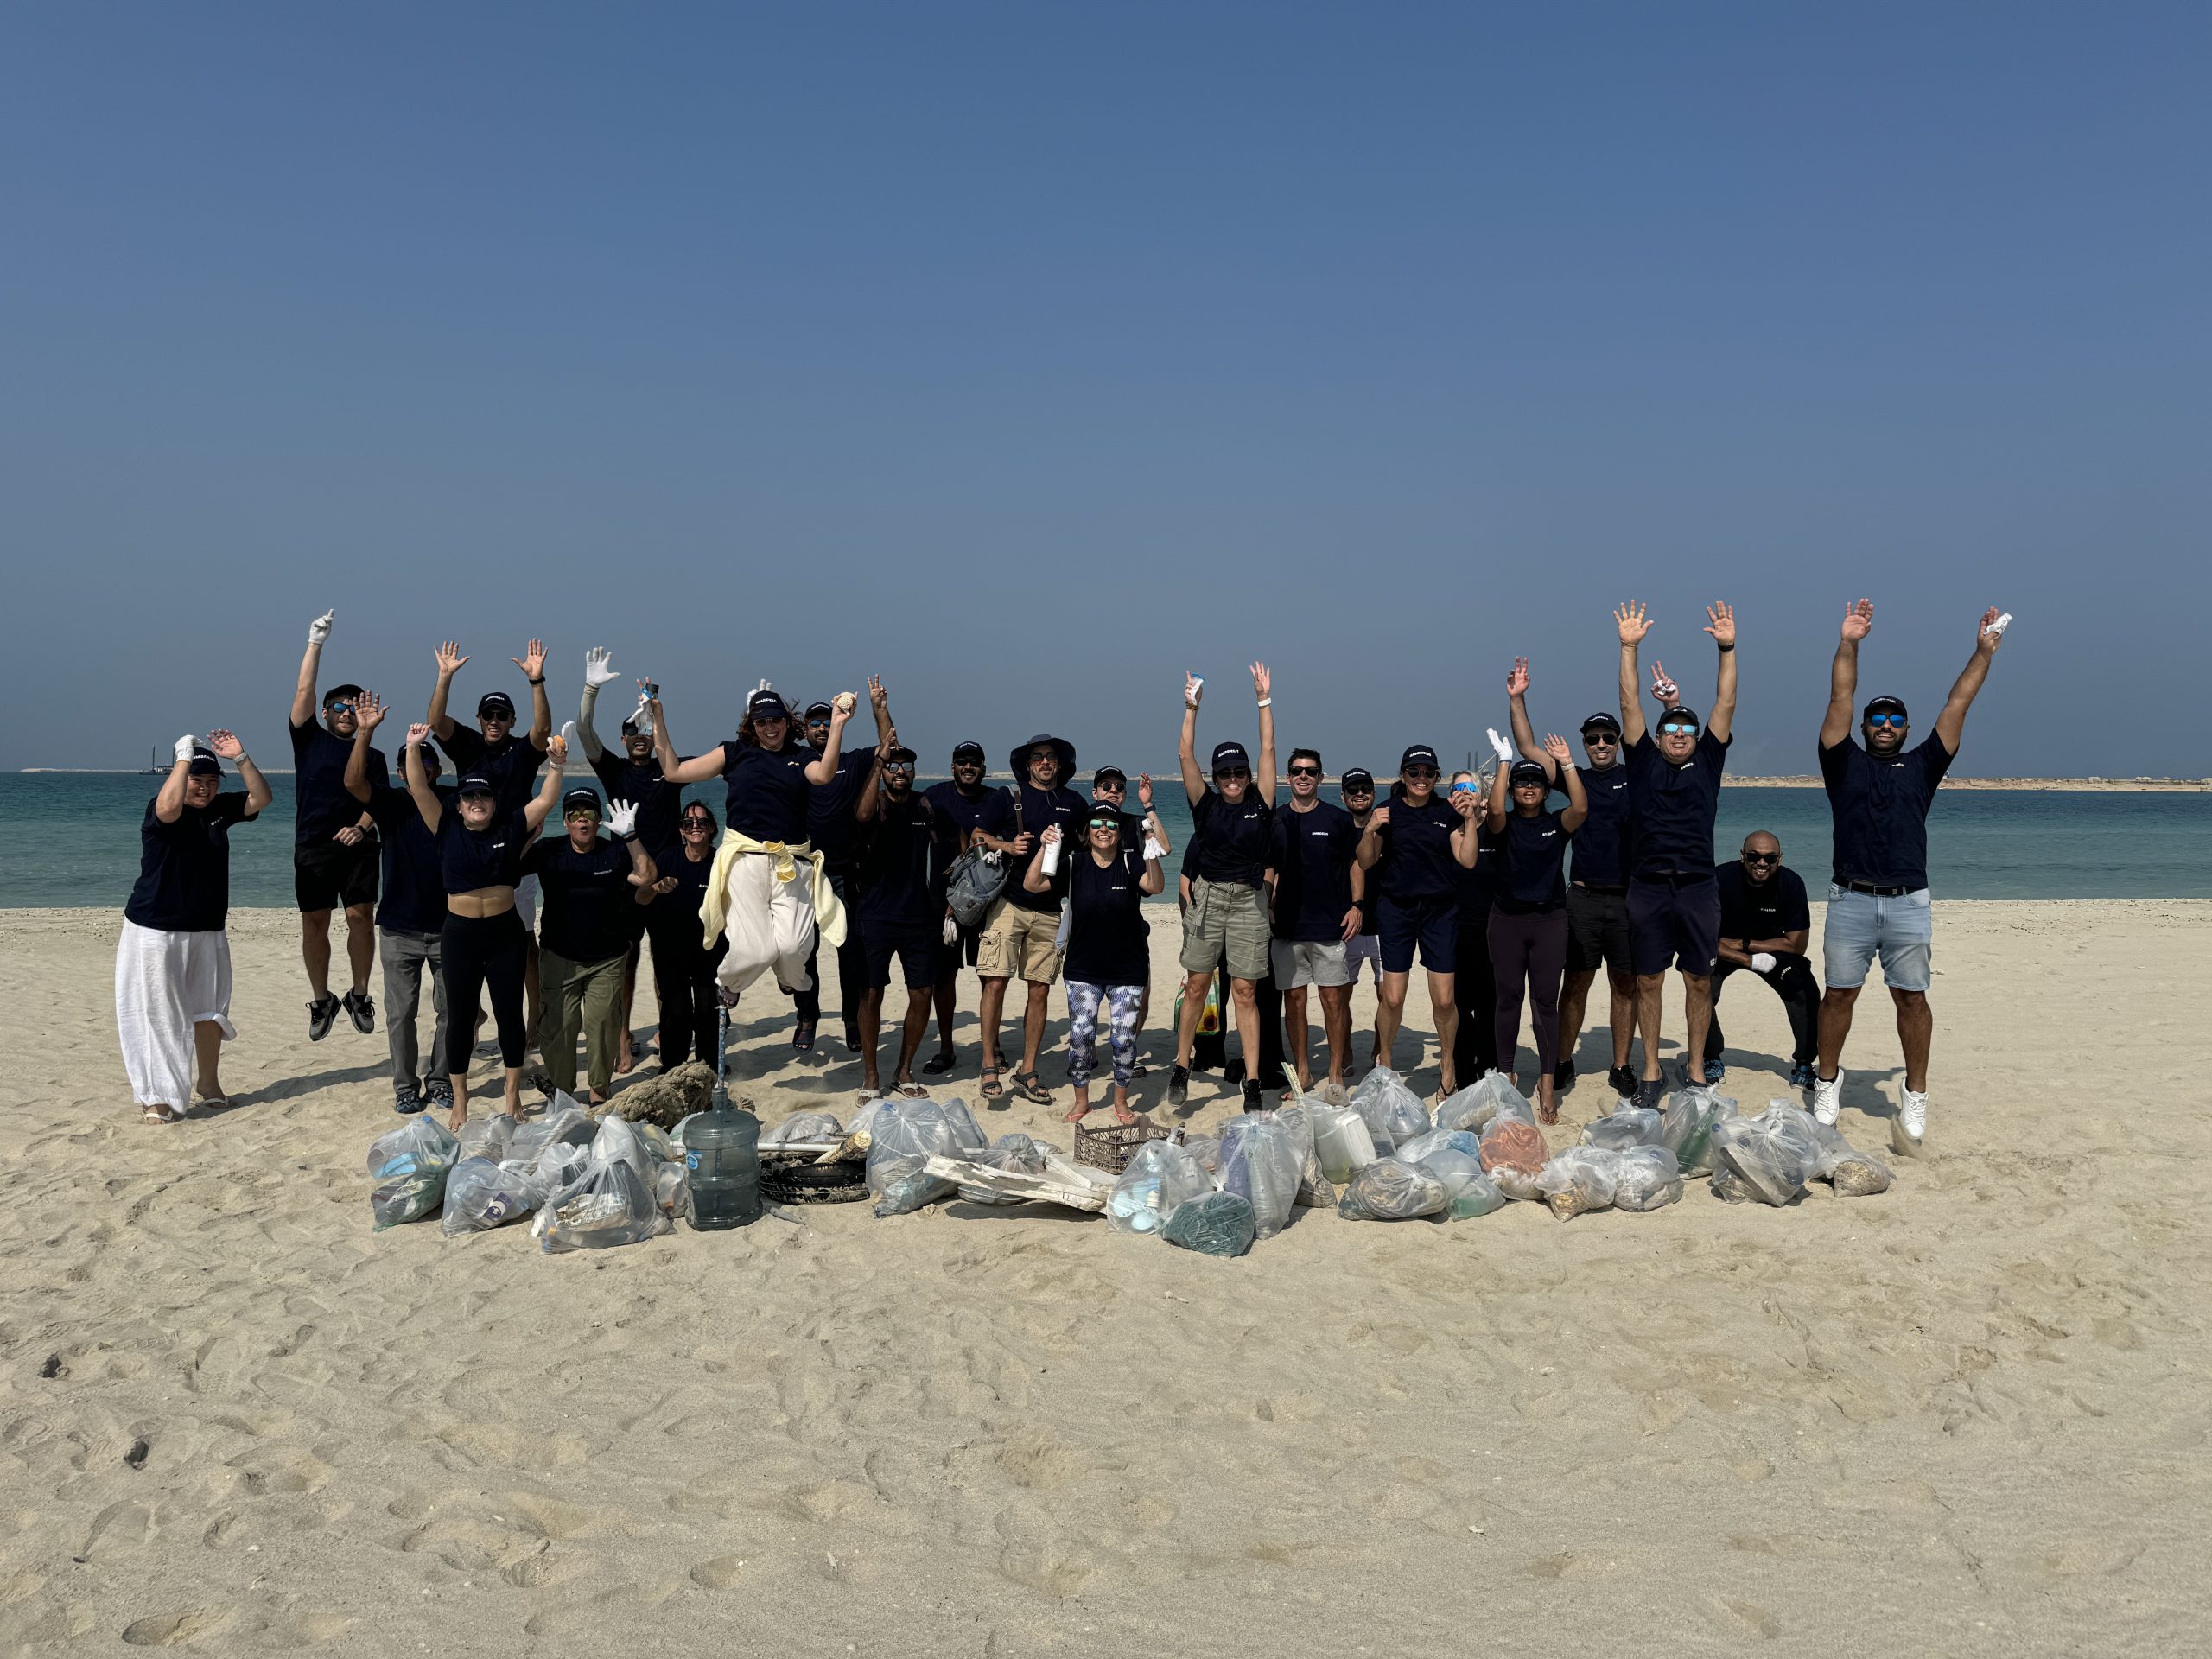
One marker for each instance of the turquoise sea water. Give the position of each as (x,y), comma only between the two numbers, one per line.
(72,838)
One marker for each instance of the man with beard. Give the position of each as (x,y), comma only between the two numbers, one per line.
(334,842)
(967,814)
(899,901)
(1317,883)
(1020,938)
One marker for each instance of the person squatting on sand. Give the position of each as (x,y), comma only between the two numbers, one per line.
(1764,922)
(1879,796)
(334,855)
(173,962)
(1108,963)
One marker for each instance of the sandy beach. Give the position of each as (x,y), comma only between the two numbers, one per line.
(1967,1416)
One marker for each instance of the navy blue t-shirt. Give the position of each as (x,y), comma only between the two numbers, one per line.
(1312,856)
(678,908)
(767,790)
(1039,809)
(1601,845)
(321,806)
(958,815)
(1232,840)
(1880,808)
(490,857)
(412,897)
(829,822)
(590,911)
(898,867)
(1674,806)
(512,766)
(1530,873)
(659,802)
(1766,910)
(1106,926)
(184,867)
(1416,864)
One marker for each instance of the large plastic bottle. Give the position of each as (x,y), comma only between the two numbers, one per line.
(721,1155)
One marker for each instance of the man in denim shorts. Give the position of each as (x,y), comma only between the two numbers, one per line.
(1879,795)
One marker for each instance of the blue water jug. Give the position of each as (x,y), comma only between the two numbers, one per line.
(721,1147)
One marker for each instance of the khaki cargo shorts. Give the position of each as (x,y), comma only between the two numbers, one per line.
(1018,944)
(1227,920)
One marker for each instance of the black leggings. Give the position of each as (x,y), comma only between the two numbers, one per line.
(1474,1051)
(684,980)
(477,951)
(1528,950)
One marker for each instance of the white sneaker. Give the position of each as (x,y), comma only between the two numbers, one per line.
(1910,1127)
(1827,1098)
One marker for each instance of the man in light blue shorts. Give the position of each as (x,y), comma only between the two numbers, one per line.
(1878,795)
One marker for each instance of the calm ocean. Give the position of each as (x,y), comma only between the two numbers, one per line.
(72,839)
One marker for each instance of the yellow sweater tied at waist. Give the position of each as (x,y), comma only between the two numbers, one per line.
(714,911)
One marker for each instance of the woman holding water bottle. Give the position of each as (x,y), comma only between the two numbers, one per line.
(1108,963)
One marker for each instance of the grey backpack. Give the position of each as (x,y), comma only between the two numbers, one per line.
(973,883)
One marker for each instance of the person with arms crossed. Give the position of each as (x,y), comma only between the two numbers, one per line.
(1315,885)
(967,814)
(335,848)
(173,962)
(1413,849)
(1674,904)
(1108,958)
(1764,922)
(1878,795)
(1528,919)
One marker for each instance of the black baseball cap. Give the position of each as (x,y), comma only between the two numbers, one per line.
(1882,706)
(630,729)
(767,705)
(1419,754)
(477,783)
(1104,772)
(1358,777)
(204,764)
(969,751)
(1678,715)
(1602,721)
(1104,815)
(578,797)
(341,694)
(900,753)
(495,703)
(1230,754)
(818,710)
(1527,771)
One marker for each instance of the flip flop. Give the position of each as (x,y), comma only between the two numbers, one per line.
(1123,1115)
(938,1063)
(1025,1086)
(1076,1114)
(161,1113)
(914,1091)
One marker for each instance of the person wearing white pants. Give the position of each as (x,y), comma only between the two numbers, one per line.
(173,962)
(767,921)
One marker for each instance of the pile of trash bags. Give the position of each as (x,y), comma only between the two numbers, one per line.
(902,1133)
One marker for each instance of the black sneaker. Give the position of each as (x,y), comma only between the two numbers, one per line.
(1253,1103)
(1178,1085)
(1801,1075)
(361,1011)
(1622,1080)
(406,1102)
(322,1014)
(1563,1075)
(1715,1069)
(1233,1072)
(439,1093)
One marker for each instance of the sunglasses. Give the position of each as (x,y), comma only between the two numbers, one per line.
(1358,789)
(1231,773)
(1762,858)
(337,708)
(1110,787)
(1599,740)
(1305,772)
(1885,719)
(580,812)
(698,824)
(899,766)
(1417,773)
(1675,727)
(483,796)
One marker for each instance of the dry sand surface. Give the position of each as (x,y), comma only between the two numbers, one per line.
(1966,1417)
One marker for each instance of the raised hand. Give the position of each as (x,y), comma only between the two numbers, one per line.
(1991,634)
(1144,791)
(186,747)
(319,629)
(225,743)
(568,732)
(557,750)
(1465,802)
(1378,818)
(1050,836)
(1857,621)
(1555,746)
(1502,749)
(1632,622)
(418,733)
(532,660)
(368,711)
(449,659)
(599,667)
(1194,687)
(841,709)
(622,819)
(1720,622)
(877,698)
(1663,688)
(1517,678)
(1260,680)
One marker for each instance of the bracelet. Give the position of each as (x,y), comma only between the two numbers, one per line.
(540,680)
(1266,702)
(1190,705)
(1728,647)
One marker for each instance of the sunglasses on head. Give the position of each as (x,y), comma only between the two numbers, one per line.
(1885,719)
(1232,773)
(1762,858)
(1305,772)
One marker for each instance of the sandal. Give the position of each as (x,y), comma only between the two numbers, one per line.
(990,1086)
(1124,1115)
(1075,1114)
(913,1090)
(938,1062)
(1025,1086)
(161,1113)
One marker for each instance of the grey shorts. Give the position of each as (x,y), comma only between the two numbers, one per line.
(1300,963)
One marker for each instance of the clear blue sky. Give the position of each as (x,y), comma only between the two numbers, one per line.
(1026,354)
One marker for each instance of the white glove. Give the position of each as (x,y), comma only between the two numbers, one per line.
(642,716)
(1762,963)
(622,820)
(598,671)
(2002,623)
(1152,848)
(1504,749)
(569,735)
(319,629)
(186,747)
(951,932)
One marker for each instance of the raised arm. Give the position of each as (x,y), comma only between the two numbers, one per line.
(1154,828)
(1371,838)
(1843,673)
(168,800)
(1153,881)
(368,715)
(869,807)
(227,746)
(1632,623)
(1499,801)
(541,805)
(599,669)
(823,766)
(1186,749)
(1516,699)
(1721,623)
(1466,835)
(310,666)
(1578,803)
(1950,725)
(1265,781)
(533,663)
(1033,880)
(449,660)
(418,777)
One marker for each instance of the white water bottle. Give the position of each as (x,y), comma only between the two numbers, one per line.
(1051,861)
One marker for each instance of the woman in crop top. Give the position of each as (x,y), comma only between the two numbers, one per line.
(480,859)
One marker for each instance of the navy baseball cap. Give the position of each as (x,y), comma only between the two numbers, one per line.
(1418,754)
(578,800)
(970,751)
(1883,706)
(1358,777)
(495,704)
(1104,772)
(1527,771)
(818,711)
(204,764)
(1677,716)
(476,783)
(900,754)
(341,694)
(1230,754)
(1602,721)
(767,705)
(1102,815)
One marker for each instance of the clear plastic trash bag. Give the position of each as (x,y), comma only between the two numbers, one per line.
(566,1125)
(803,1126)
(1775,1153)
(1341,1141)
(1509,1143)
(1686,1126)
(1578,1180)
(1018,1153)
(1630,1126)
(605,1207)
(1393,1111)
(1260,1163)
(1387,1190)
(1852,1173)
(1487,1098)
(1646,1177)
(408,1167)
(481,1194)
(1214,1223)
(486,1136)
(902,1138)
(1161,1178)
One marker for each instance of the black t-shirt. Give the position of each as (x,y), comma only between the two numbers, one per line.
(412,897)
(1106,926)
(1601,845)
(1416,864)
(829,822)
(990,810)
(490,857)
(1232,840)
(590,912)
(678,908)
(1880,808)
(511,765)
(1476,886)
(1133,833)
(1038,809)
(1530,872)
(899,869)
(1312,856)
(767,790)
(659,802)
(321,805)
(184,867)
(1674,806)
(1768,910)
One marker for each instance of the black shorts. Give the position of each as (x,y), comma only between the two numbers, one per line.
(1597,931)
(1675,926)
(1431,924)
(917,947)
(330,875)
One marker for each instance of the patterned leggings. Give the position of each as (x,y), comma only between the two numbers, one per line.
(1121,1002)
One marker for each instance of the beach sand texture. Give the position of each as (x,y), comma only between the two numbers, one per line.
(1968,1416)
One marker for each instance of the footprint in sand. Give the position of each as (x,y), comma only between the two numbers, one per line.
(167,1629)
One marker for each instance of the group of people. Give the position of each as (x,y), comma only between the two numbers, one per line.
(1509,903)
